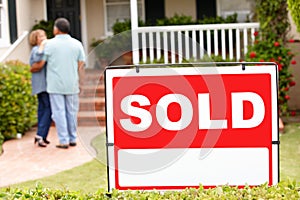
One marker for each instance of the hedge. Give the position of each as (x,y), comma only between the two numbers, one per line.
(17,105)
(284,190)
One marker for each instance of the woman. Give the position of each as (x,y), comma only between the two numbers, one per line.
(37,40)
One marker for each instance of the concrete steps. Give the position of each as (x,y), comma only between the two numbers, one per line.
(91,118)
(93,90)
(92,104)
(92,101)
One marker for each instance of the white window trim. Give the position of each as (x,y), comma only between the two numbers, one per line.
(4,40)
(218,4)
(109,33)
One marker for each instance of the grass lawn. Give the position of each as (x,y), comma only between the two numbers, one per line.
(290,153)
(92,176)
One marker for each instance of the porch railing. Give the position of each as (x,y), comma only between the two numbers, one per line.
(19,49)
(174,44)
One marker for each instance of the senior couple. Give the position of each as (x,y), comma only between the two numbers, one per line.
(61,64)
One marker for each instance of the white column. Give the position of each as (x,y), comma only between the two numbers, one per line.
(84,29)
(134,33)
(134,14)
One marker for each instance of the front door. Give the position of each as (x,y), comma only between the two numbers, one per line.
(206,8)
(155,9)
(69,9)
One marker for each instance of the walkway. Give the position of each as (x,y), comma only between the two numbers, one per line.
(22,160)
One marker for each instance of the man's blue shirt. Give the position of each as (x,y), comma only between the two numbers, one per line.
(62,54)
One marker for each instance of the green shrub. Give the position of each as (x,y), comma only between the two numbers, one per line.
(47,26)
(270,45)
(175,20)
(219,20)
(273,18)
(283,190)
(121,26)
(106,50)
(109,50)
(17,105)
(271,50)
(187,20)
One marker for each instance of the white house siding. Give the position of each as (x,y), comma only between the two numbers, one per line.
(95,20)
(3,50)
(224,8)
(28,13)
(21,51)
(187,7)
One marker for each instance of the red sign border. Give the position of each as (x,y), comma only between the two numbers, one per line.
(259,67)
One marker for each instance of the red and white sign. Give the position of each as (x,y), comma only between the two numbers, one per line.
(172,128)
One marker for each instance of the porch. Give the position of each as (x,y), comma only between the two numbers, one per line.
(176,44)
(189,42)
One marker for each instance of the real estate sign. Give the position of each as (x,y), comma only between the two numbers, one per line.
(172,128)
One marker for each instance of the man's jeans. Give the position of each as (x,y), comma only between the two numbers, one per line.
(64,113)
(44,114)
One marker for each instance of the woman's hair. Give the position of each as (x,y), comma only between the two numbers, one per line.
(34,35)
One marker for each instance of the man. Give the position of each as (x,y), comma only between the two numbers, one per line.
(65,66)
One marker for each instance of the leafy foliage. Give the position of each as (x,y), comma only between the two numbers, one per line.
(106,50)
(47,26)
(269,50)
(17,105)
(121,26)
(187,20)
(273,19)
(175,20)
(270,45)
(111,49)
(294,7)
(102,48)
(283,190)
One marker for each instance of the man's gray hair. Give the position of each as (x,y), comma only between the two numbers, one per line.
(62,24)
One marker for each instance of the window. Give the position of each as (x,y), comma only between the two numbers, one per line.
(241,7)
(119,10)
(4,38)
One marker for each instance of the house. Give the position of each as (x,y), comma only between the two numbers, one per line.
(94,18)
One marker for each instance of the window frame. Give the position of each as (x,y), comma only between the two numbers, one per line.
(121,2)
(4,37)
